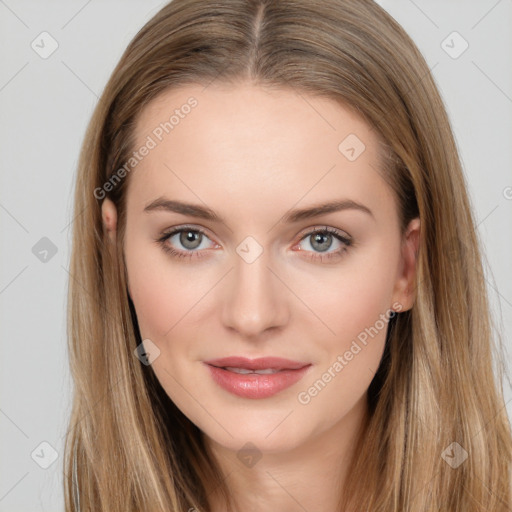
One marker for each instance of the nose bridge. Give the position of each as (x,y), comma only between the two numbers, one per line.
(255,300)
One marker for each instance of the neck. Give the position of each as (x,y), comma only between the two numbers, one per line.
(311,476)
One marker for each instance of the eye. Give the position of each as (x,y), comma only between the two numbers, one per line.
(190,239)
(321,240)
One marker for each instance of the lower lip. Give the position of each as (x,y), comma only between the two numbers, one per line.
(254,385)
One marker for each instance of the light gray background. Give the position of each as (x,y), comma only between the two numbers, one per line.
(45,105)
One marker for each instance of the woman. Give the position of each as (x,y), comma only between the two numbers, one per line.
(277,299)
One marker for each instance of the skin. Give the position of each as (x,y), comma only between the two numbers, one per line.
(252,154)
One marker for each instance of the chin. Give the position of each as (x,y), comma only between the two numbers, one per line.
(267,432)
(259,441)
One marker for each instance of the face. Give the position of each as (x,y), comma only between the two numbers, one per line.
(268,273)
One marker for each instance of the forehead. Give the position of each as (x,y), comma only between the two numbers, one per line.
(246,146)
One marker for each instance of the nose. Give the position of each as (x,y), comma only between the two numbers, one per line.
(255,300)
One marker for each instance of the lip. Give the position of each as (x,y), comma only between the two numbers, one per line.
(256,385)
(276,363)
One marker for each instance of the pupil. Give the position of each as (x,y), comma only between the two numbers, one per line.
(318,237)
(189,237)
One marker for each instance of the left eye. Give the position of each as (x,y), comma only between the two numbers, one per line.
(321,240)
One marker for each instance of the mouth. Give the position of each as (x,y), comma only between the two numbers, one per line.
(256,378)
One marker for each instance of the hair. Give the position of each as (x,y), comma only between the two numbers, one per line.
(128,447)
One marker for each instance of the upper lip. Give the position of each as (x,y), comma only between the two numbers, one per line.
(262,363)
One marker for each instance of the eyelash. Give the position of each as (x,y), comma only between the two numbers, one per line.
(322,257)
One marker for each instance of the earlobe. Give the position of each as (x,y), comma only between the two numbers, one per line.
(405,289)
(109,217)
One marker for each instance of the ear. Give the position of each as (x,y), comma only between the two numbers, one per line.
(109,216)
(405,289)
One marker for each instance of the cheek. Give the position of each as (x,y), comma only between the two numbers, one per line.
(353,297)
(172,301)
(160,295)
(355,304)
(151,298)
(351,356)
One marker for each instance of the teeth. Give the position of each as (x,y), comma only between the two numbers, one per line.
(265,371)
(245,370)
(238,370)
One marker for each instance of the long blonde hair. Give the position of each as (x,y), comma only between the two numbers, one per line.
(128,447)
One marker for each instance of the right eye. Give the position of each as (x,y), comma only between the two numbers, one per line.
(189,238)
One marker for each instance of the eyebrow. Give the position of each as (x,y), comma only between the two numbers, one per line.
(203,212)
